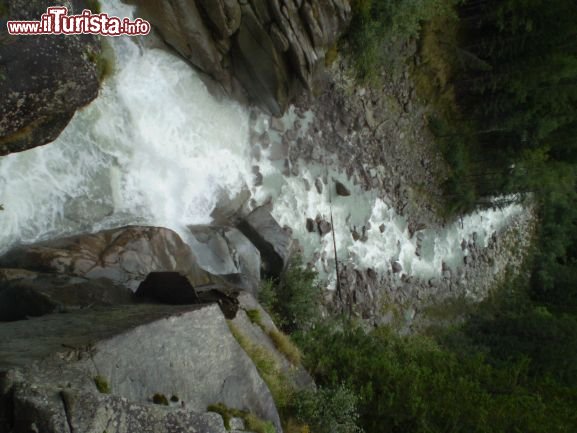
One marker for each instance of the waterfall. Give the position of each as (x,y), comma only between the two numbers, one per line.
(156,148)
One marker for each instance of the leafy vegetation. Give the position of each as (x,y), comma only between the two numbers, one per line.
(378,25)
(413,384)
(294,301)
(328,410)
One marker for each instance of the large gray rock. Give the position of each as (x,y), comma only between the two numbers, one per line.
(272,241)
(48,366)
(37,294)
(125,256)
(43,79)
(226,252)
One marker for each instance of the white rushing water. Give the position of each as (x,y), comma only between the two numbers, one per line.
(156,148)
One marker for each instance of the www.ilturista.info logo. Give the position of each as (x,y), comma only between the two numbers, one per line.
(56,21)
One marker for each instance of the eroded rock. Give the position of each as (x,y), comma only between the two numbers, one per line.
(43,79)
(125,255)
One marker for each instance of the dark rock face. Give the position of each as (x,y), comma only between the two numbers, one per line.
(310,225)
(175,289)
(342,190)
(125,256)
(272,241)
(269,47)
(37,294)
(43,79)
(167,288)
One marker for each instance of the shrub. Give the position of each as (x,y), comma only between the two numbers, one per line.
(294,302)
(377,23)
(328,410)
(413,385)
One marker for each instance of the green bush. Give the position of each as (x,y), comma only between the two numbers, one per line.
(413,385)
(376,23)
(328,410)
(294,302)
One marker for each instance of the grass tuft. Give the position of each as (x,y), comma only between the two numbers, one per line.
(102,385)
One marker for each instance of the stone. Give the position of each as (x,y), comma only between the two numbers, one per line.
(269,238)
(225,15)
(310,225)
(258,65)
(319,185)
(39,294)
(44,80)
(397,267)
(271,48)
(324,227)
(382,228)
(48,366)
(229,206)
(125,255)
(257,175)
(342,190)
(227,253)
(181,25)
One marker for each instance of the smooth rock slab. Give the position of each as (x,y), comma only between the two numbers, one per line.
(140,351)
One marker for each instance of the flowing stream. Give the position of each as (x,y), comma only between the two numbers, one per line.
(156,148)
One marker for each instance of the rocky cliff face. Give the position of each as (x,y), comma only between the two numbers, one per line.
(267,49)
(43,79)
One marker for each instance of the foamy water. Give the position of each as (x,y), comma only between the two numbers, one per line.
(156,148)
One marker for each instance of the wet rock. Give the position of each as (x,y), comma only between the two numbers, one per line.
(342,190)
(324,227)
(382,228)
(356,235)
(397,267)
(228,209)
(319,185)
(125,255)
(277,124)
(226,253)
(270,239)
(43,81)
(257,175)
(310,225)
